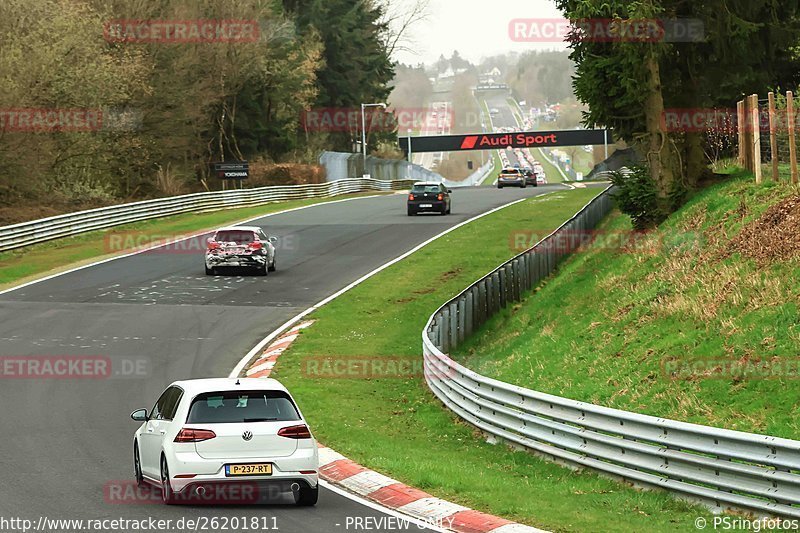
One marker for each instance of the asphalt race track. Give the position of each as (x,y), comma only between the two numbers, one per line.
(504,119)
(68,440)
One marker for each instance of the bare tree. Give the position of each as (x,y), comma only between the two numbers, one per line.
(398,19)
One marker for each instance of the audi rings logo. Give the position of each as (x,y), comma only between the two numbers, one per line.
(247,435)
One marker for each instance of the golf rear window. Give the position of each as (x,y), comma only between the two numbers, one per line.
(235,236)
(231,407)
(426,188)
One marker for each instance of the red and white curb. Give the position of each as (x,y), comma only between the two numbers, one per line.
(262,367)
(335,468)
(385,491)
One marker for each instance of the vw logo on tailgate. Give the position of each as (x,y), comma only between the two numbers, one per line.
(247,435)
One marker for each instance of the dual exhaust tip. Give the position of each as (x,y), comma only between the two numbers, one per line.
(201,490)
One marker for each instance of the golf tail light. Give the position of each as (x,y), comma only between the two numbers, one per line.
(254,245)
(411,197)
(295,432)
(194,435)
(440,197)
(213,245)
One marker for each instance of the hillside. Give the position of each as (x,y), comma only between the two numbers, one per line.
(696,321)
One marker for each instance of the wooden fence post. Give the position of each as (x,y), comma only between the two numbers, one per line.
(756,138)
(748,133)
(740,129)
(773,140)
(790,124)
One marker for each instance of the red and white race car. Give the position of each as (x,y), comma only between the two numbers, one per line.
(241,246)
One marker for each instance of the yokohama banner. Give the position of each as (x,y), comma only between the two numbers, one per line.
(493,141)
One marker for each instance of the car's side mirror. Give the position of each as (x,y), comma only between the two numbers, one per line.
(273,239)
(139,415)
(448,190)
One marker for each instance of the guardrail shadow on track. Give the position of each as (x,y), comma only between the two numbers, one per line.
(70,224)
(718,467)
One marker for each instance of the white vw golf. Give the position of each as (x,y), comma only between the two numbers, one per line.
(226,440)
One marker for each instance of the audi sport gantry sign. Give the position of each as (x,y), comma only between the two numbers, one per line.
(493,141)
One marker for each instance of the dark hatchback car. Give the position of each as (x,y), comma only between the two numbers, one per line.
(429,197)
(530,177)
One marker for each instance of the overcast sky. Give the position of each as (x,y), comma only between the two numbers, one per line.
(476,28)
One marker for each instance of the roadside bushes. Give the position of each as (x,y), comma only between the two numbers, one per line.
(262,174)
(637,197)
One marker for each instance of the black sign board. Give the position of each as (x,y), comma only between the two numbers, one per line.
(495,141)
(232,170)
(491,87)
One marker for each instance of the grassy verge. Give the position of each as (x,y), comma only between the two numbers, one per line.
(396,426)
(491,177)
(550,170)
(703,286)
(516,110)
(50,257)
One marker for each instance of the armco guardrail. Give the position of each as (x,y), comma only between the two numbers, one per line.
(719,467)
(27,233)
(342,165)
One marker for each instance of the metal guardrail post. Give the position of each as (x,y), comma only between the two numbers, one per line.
(520,277)
(494,293)
(482,303)
(511,269)
(526,272)
(444,331)
(453,325)
(462,319)
(502,287)
(509,284)
(469,316)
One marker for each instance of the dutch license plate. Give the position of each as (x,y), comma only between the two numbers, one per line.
(254,469)
(426,205)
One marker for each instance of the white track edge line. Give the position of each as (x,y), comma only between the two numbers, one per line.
(155,247)
(386,510)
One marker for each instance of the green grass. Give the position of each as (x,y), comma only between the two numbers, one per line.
(52,256)
(492,176)
(550,170)
(515,110)
(397,427)
(606,327)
